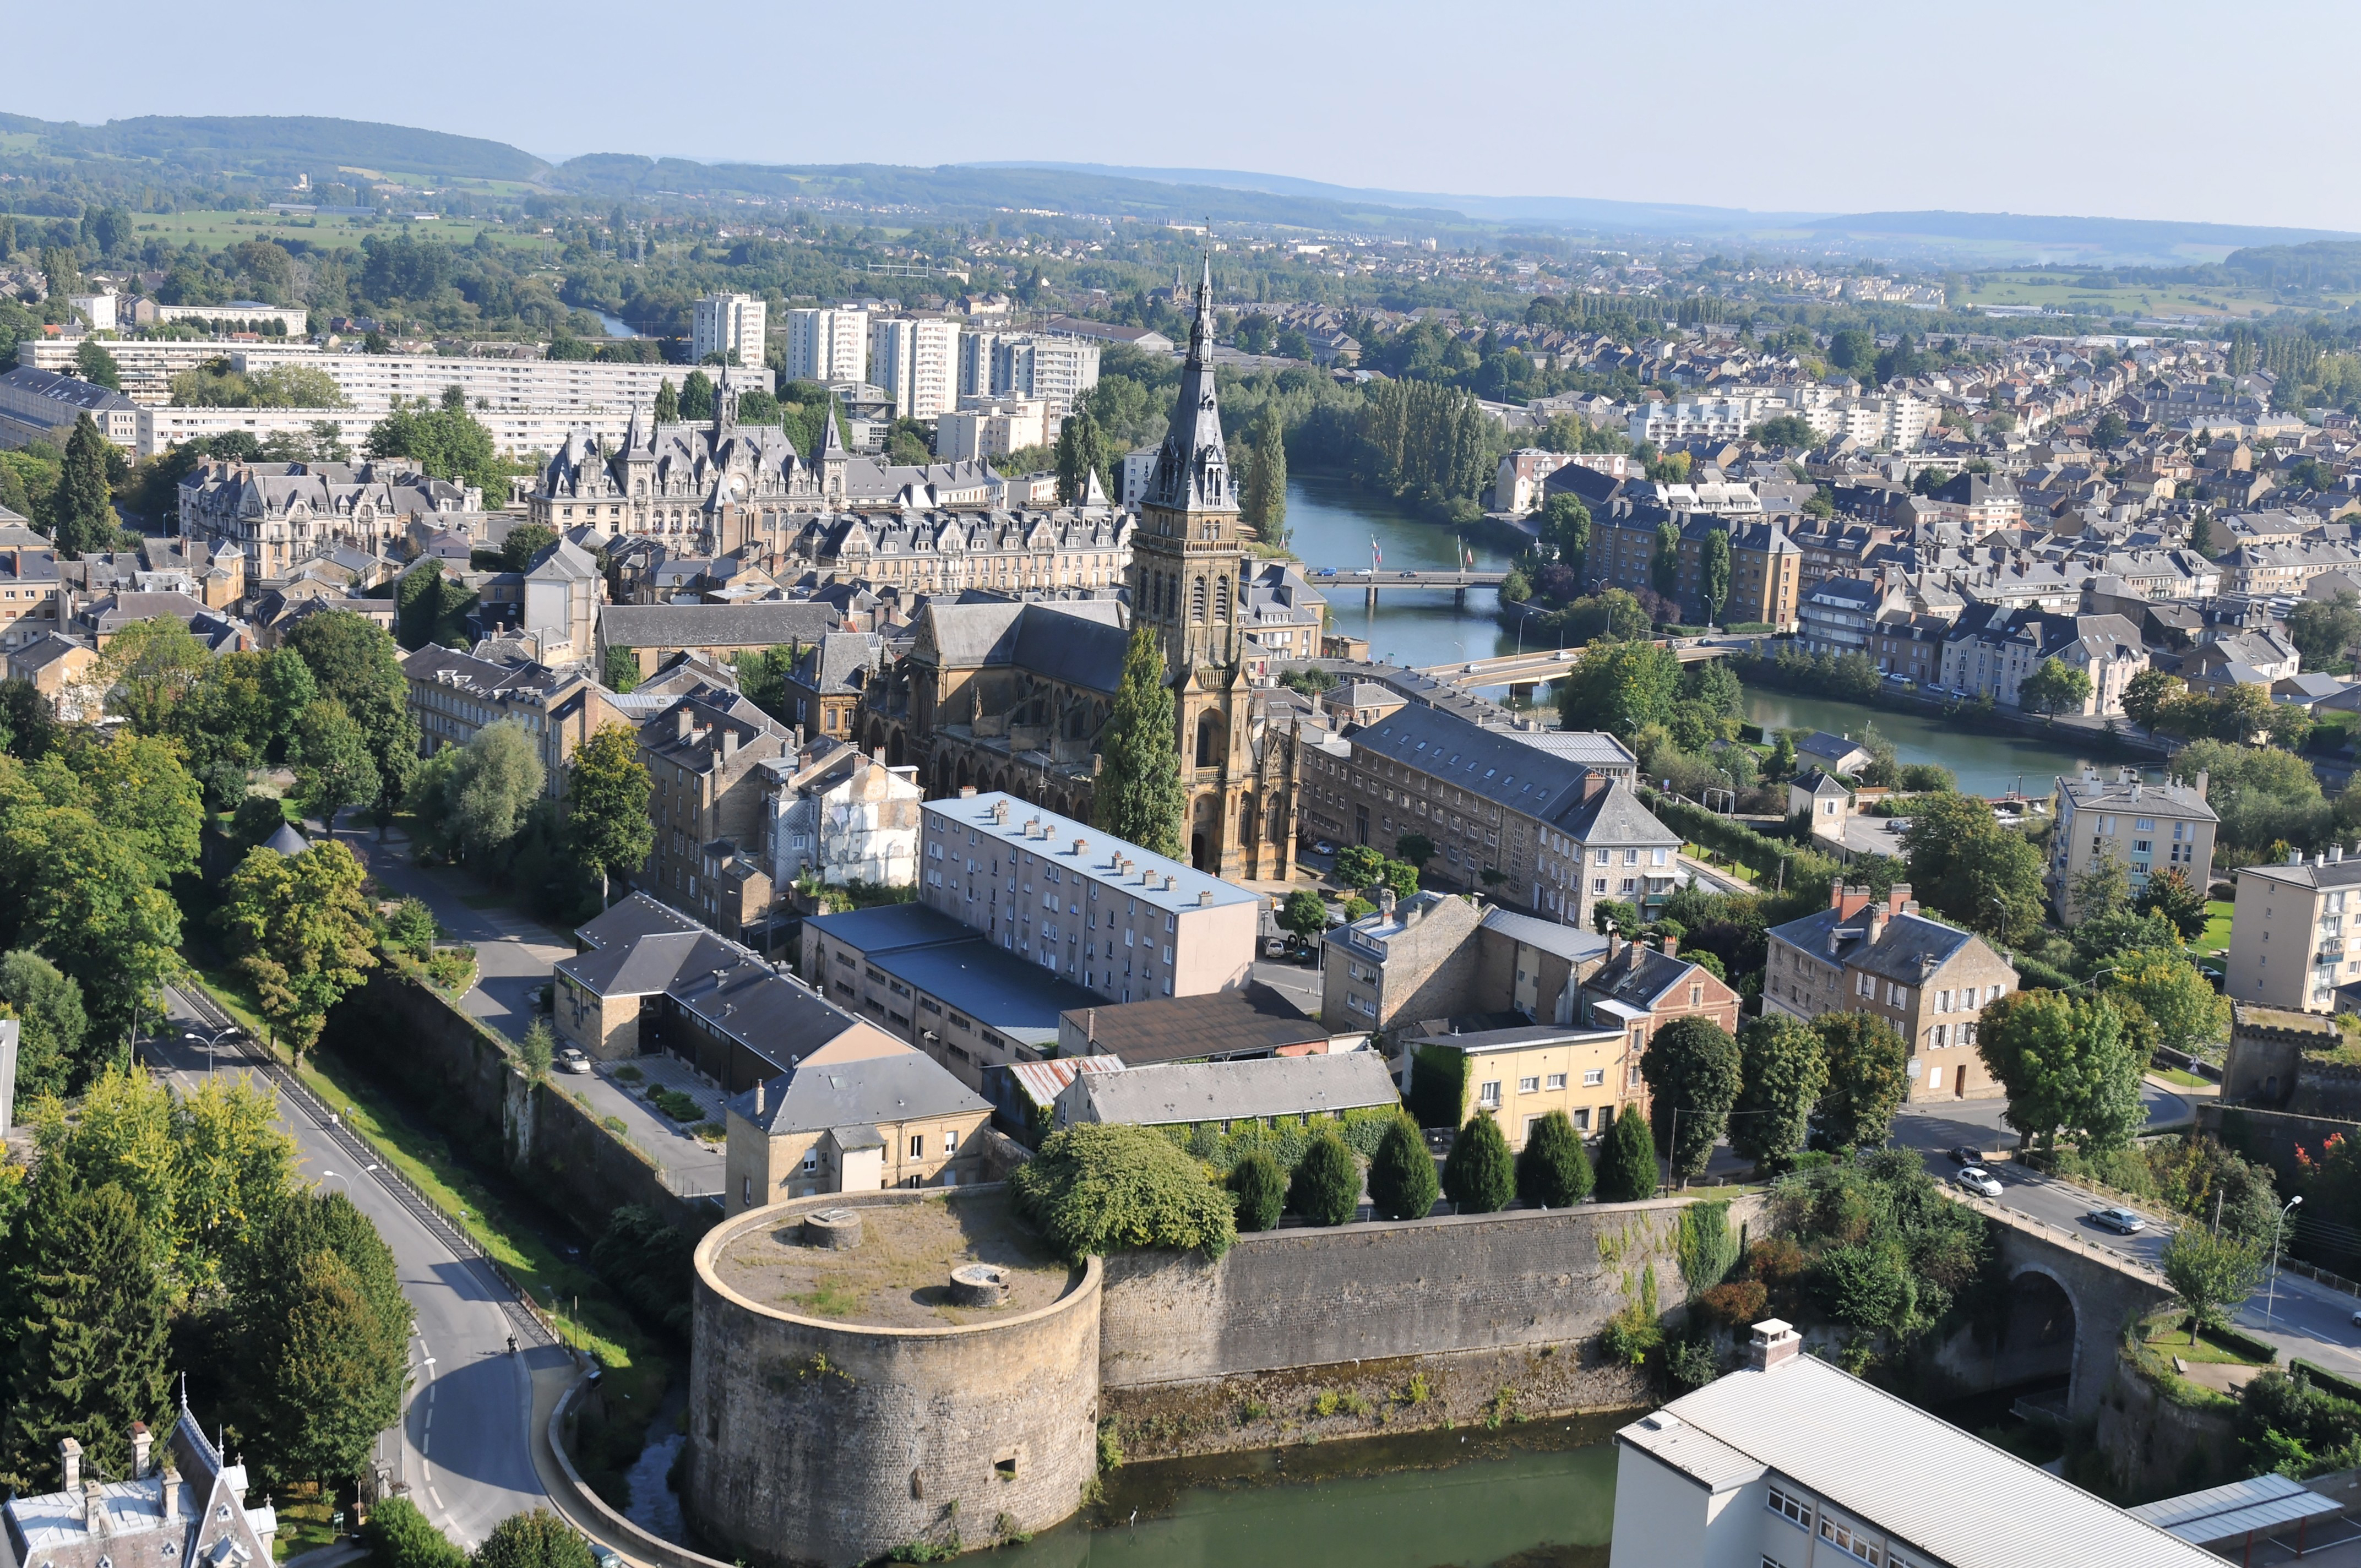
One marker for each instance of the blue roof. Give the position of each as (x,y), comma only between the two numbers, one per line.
(886,926)
(995,988)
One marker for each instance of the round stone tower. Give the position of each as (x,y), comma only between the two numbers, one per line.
(848,1396)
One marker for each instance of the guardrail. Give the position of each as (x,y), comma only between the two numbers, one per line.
(375,1164)
(2096,1250)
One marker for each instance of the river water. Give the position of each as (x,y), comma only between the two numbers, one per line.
(1539,1496)
(1333,523)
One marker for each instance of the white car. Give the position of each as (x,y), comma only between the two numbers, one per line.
(1976,1179)
(571,1060)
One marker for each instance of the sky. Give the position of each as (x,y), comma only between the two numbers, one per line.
(2164,109)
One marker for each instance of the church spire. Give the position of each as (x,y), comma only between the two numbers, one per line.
(1192,470)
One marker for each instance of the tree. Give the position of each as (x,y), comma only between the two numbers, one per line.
(537,1051)
(495,781)
(2210,1272)
(1358,865)
(1565,532)
(93,364)
(1138,795)
(1304,915)
(1402,1180)
(398,1536)
(524,541)
(2187,1013)
(2324,630)
(83,508)
(1326,1189)
(2067,1066)
(1691,1066)
(607,794)
(148,670)
(2054,688)
(668,409)
(697,400)
(620,669)
(333,765)
(52,1028)
(2170,894)
(2110,432)
(354,661)
(1553,1170)
(288,689)
(2101,888)
(1415,850)
(1869,1077)
(1627,1164)
(1477,1175)
(2201,534)
(1263,504)
(1713,577)
(91,1331)
(1081,452)
(2149,696)
(1260,1190)
(1969,867)
(535,1539)
(1097,1188)
(1664,569)
(1782,1069)
(332,1370)
(297,926)
(87,898)
(1620,687)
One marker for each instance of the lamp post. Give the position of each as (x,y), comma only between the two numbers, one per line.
(2271,1297)
(343,1178)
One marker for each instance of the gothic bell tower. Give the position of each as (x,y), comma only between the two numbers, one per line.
(1188,567)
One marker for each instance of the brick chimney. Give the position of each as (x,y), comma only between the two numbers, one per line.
(1386,902)
(140,1441)
(1672,944)
(967,792)
(1876,923)
(1848,902)
(1614,940)
(1775,1345)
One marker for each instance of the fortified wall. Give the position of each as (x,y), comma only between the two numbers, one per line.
(842,1408)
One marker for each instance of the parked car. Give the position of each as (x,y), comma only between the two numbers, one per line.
(571,1060)
(1976,1179)
(1967,1154)
(2122,1221)
(1323,848)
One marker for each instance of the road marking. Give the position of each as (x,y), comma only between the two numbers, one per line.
(436,1496)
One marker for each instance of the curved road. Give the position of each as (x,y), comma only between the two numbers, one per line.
(466,1448)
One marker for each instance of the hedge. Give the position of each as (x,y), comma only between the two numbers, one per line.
(2034,972)
(2244,1344)
(2320,1377)
(1738,842)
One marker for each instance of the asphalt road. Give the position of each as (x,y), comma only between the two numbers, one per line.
(464,1448)
(2299,1316)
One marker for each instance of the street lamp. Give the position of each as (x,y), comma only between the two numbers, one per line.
(343,1178)
(2271,1297)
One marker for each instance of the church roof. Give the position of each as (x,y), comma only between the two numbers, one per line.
(1192,469)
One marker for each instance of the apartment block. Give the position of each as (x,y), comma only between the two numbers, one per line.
(915,360)
(2143,828)
(1520,1074)
(828,345)
(730,325)
(1101,913)
(1863,954)
(2291,945)
(42,405)
(993,427)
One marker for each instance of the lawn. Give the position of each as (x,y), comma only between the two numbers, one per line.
(2215,938)
(2174,1075)
(2066,291)
(2170,1339)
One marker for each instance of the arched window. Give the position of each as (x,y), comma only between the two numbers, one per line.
(1196,601)
(1209,739)
(1221,599)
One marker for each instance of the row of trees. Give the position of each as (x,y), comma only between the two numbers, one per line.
(1777,1087)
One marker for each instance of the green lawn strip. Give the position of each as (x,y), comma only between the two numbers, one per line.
(2171,1339)
(306,1520)
(2216,938)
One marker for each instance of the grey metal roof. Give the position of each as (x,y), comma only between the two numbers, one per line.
(1178,887)
(1614,817)
(1080,651)
(764,624)
(2263,1503)
(1907,939)
(1871,1454)
(858,1095)
(1493,763)
(1232,1091)
(1694,1453)
(633,916)
(2093,791)
(65,390)
(1572,942)
(1518,1037)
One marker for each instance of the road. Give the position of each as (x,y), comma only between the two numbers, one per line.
(465,1449)
(2299,1316)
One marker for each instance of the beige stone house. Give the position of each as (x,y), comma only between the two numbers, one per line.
(861,1113)
(2143,828)
(1521,1074)
(1929,979)
(2290,945)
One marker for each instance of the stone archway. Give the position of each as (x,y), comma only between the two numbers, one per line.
(896,756)
(1210,736)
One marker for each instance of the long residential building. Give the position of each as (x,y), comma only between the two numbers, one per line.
(280,515)
(915,360)
(43,405)
(826,345)
(1538,821)
(2295,931)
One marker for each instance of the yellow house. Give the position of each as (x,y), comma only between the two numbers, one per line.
(1522,1074)
(861,1113)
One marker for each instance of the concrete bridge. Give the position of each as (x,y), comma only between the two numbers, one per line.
(1329,580)
(2072,1295)
(1547,664)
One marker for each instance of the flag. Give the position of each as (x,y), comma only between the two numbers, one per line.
(1377,553)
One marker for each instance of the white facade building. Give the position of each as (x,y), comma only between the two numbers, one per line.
(993,427)
(828,345)
(1056,370)
(730,325)
(249,315)
(915,360)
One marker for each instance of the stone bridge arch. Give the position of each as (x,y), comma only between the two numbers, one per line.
(2104,1293)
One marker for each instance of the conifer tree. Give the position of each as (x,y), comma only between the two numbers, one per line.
(1626,1164)
(1264,506)
(1258,1190)
(667,403)
(1402,1180)
(1479,1175)
(1553,1170)
(1327,1185)
(1138,796)
(84,506)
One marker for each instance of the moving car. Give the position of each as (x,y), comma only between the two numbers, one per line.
(1976,1179)
(571,1060)
(1967,1154)
(1325,572)
(2121,1221)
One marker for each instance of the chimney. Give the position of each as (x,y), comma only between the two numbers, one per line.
(1672,944)
(1080,845)
(2295,857)
(1614,941)
(758,1097)
(1386,902)
(1205,898)
(877,755)
(2203,779)
(967,792)
(1775,1345)
(171,1491)
(70,1461)
(94,1516)
(1090,1025)
(729,740)
(1897,899)
(1876,923)
(139,1449)
(684,722)
(1836,896)
(2335,853)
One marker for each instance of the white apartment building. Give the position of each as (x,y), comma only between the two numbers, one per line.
(2142,827)
(1715,419)
(1792,1462)
(993,427)
(247,316)
(915,360)
(147,365)
(98,310)
(1101,913)
(2289,946)
(828,345)
(1056,370)
(730,325)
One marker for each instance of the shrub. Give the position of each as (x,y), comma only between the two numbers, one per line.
(1739,1303)
(1479,1175)
(410,929)
(1327,1185)
(1257,1189)
(1692,1362)
(1626,1164)
(1438,1085)
(1100,1188)
(1552,1169)
(1861,1286)
(536,1539)
(1708,1246)
(1402,1180)
(398,1536)
(647,1262)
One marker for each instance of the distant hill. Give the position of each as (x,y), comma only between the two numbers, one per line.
(271,143)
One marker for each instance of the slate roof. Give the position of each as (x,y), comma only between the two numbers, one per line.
(1615,816)
(779,1019)
(840,664)
(65,390)
(1500,767)
(647,964)
(1571,942)
(636,914)
(764,624)
(1908,939)
(859,1094)
(1639,977)
(1232,1091)
(1252,1021)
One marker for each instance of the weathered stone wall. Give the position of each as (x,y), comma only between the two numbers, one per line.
(1417,1324)
(814,1441)
(2159,1448)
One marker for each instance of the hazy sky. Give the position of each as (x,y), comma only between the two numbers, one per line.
(2163,109)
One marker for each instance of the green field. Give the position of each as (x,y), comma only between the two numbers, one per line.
(213,230)
(2216,938)
(2065,292)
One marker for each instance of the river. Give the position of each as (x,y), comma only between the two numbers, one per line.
(1333,523)
(1538,1495)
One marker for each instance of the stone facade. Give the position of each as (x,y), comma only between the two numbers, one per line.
(824,1442)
